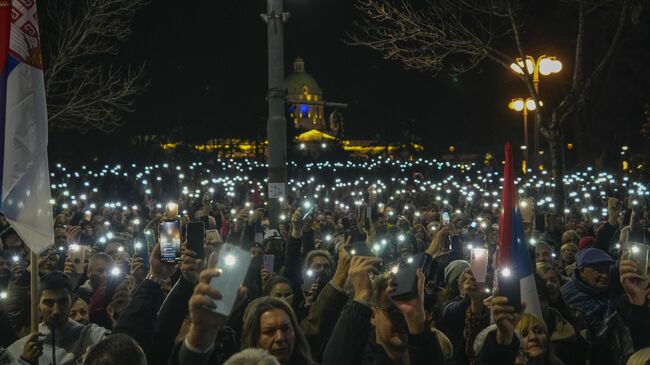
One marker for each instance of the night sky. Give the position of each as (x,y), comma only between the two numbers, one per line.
(207,65)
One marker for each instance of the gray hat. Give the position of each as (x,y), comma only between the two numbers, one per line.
(454,270)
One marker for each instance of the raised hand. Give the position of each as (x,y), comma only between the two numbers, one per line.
(412,309)
(636,288)
(360,267)
(505,319)
(342,268)
(191,266)
(297,224)
(159,269)
(33,348)
(206,323)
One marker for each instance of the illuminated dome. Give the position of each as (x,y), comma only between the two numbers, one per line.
(300,82)
(305,99)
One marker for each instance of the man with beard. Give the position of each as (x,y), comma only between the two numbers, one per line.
(401,334)
(57,334)
(18,297)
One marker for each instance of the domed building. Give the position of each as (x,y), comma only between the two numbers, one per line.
(317,135)
(305,98)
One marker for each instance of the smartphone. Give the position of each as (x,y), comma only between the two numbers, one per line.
(359,248)
(268,263)
(445,218)
(212,236)
(308,214)
(77,255)
(114,279)
(639,253)
(170,240)
(478,263)
(233,263)
(406,275)
(310,278)
(195,237)
(88,215)
(142,250)
(509,286)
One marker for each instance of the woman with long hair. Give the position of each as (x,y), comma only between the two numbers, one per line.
(270,324)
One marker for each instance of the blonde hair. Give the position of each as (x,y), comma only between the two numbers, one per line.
(525,322)
(252,357)
(641,357)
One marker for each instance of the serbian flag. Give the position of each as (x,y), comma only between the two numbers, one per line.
(513,246)
(23,126)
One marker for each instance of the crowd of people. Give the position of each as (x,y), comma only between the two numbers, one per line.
(108,295)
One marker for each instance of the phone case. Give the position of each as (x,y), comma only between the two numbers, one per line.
(406,276)
(195,237)
(233,263)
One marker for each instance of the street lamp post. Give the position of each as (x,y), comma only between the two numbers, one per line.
(521,105)
(544,65)
(276,124)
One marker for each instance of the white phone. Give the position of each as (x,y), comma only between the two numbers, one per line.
(233,263)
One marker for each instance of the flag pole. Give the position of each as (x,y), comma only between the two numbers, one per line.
(34,291)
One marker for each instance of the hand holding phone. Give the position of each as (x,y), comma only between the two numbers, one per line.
(639,253)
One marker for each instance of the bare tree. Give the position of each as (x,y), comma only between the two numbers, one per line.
(83,90)
(457,35)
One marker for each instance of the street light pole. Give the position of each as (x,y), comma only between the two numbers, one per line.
(526,155)
(545,65)
(276,124)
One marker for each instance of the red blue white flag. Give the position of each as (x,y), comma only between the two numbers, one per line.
(513,246)
(23,126)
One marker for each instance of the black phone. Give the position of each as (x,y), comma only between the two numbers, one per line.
(310,278)
(509,286)
(359,248)
(406,275)
(196,237)
(308,214)
(170,240)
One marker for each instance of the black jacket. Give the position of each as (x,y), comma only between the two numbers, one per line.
(494,354)
(350,343)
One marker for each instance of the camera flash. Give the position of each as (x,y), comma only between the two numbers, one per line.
(138,245)
(506,272)
(230,260)
(16,258)
(115,271)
